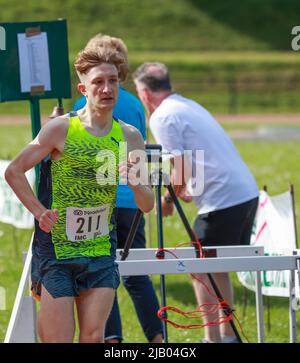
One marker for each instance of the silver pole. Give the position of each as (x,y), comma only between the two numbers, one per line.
(259,309)
(34,307)
(292,300)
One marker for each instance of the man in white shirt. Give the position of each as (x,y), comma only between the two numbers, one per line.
(224,190)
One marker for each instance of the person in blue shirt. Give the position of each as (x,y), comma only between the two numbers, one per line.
(130,110)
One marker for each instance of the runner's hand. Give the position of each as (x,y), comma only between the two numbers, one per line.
(167,208)
(47,219)
(130,172)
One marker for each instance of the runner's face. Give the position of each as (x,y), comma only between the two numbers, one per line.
(102,85)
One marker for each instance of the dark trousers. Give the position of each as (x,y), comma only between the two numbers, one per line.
(140,288)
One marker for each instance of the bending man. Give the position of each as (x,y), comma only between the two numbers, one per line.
(225,193)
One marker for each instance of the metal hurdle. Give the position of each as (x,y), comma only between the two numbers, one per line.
(22,323)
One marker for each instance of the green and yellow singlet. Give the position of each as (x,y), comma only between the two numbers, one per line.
(84,185)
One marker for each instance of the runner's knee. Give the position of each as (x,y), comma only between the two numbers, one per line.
(91,336)
(54,336)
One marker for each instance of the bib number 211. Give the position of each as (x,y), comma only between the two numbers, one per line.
(87,223)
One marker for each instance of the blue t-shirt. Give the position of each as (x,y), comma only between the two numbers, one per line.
(130,110)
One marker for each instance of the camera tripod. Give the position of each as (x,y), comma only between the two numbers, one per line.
(156,179)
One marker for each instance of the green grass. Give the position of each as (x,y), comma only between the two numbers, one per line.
(170,24)
(273,163)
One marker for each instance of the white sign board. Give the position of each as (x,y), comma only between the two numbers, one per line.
(274,230)
(12,210)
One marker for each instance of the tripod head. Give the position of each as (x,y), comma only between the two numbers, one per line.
(154,155)
(153,151)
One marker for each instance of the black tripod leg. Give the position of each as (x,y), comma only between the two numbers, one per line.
(131,234)
(161,245)
(193,238)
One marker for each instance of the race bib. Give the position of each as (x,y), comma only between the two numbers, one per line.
(87,223)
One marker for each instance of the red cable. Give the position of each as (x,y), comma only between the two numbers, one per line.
(193,315)
(204,309)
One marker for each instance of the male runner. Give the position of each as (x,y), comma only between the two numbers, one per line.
(75,233)
(140,288)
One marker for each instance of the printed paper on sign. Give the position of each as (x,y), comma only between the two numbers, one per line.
(34,62)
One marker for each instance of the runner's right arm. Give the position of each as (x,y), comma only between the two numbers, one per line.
(50,139)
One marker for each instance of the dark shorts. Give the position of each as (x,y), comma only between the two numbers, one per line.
(227,227)
(67,278)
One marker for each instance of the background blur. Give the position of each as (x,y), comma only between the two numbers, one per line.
(235,58)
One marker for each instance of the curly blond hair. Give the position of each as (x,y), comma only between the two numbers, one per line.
(103,49)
